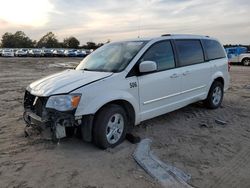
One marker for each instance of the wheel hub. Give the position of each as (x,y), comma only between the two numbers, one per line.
(115,128)
(217,94)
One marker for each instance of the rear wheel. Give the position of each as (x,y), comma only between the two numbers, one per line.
(246,61)
(215,95)
(110,126)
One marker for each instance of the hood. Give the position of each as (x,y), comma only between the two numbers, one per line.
(64,82)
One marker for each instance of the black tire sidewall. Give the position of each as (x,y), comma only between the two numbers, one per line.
(101,122)
(209,100)
(244,62)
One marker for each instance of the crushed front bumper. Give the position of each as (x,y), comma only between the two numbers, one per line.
(38,116)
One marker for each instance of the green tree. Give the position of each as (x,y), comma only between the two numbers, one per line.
(22,41)
(90,45)
(17,40)
(71,42)
(48,41)
(8,40)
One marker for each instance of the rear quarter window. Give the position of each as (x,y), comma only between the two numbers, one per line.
(189,52)
(214,49)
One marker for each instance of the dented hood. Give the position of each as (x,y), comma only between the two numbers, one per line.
(64,82)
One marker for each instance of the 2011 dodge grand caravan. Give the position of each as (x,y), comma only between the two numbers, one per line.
(124,83)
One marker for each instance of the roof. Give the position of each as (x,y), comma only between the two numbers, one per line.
(173,36)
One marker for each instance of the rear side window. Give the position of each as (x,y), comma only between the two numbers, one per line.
(214,49)
(162,54)
(189,51)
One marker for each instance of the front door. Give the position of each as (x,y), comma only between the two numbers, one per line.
(159,91)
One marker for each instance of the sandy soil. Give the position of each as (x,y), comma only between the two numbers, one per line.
(215,156)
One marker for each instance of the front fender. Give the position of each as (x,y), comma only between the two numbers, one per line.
(95,103)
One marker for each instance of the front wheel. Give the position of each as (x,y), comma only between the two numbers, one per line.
(110,126)
(215,95)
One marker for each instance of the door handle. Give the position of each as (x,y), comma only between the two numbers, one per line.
(174,75)
(186,73)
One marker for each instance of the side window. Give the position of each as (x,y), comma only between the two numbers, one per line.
(214,49)
(189,51)
(162,54)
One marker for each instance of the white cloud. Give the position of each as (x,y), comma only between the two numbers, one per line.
(25,12)
(98,20)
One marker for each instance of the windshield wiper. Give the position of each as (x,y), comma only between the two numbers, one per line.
(86,69)
(95,70)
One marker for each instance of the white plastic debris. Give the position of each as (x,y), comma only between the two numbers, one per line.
(166,174)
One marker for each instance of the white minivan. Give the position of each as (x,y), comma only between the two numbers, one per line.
(124,83)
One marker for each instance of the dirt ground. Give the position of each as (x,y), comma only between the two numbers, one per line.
(214,155)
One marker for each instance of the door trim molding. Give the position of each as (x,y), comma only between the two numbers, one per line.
(173,95)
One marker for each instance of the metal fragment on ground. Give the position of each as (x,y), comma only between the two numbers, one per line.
(221,122)
(166,174)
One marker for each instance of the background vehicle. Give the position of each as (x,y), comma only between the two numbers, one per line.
(1,51)
(238,55)
(47,52)
(124,83)
(81,53)
(58,53)
(21,53)
(8,53)
(35,53)
(70,53)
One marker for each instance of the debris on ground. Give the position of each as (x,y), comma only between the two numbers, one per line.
(221,122)
(207,123)
(210,123)
(166,174)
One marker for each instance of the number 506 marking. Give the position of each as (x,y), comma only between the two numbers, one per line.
(133,84)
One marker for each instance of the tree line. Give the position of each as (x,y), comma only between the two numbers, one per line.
(20,40)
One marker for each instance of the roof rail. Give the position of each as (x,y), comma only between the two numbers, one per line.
(165,35)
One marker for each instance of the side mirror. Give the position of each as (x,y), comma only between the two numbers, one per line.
(147,66)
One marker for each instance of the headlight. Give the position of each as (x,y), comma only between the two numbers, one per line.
(63,102)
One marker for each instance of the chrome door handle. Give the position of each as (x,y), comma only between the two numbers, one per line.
(174,75)
(185,73)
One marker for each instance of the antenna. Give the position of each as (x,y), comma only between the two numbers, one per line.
(139,27)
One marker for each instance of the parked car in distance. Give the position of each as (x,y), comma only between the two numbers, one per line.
(35,53)
(58,53)
(1,51)
(81,53)
(21,53)
(47,52)
(88,51)
(121,84)
(8,53)
(70,53)
(238,55)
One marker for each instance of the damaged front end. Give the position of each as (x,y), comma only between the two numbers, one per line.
(54,113)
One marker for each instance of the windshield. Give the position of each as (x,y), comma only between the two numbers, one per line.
(113,57)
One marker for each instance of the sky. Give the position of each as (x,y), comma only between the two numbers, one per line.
(102,20)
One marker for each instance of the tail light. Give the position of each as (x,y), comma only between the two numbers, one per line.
(229,66)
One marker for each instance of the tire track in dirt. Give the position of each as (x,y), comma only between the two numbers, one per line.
(226,175)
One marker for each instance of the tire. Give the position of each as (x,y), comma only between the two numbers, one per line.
(246,61)
(70,131)
(215,95)
(110,126)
